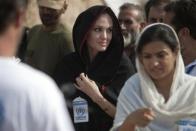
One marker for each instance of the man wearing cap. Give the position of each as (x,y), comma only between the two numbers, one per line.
(48,42)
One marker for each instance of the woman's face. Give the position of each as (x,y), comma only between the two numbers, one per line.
(100,35)
(158,60)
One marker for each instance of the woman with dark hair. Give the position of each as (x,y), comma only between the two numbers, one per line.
(160,97)
(92,77)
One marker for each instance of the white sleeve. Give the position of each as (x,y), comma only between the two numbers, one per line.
(121,111)
(128,101)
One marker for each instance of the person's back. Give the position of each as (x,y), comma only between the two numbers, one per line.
(29,100)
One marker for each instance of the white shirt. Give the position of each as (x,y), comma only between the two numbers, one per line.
(30,100)
(191,68)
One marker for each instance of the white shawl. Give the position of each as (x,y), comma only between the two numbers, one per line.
(177,106)
(181,103)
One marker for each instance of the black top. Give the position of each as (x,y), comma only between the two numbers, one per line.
(109,69)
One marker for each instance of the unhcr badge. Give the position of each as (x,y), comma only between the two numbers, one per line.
(80,110)
(187,125)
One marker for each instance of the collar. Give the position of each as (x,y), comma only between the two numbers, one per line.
(190,67)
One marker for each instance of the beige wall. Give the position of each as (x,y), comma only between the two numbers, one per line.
(74,8)
(32,17)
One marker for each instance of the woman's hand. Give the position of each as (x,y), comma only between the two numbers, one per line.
(141,118)
(88,86)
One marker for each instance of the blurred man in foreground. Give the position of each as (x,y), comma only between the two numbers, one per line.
(29,100)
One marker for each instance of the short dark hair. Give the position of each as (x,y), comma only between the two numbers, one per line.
(184,15)
(9,11)
(153,3)
(158,32)
(131,6)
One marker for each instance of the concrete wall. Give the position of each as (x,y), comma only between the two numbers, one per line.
(115,4)
(74,8)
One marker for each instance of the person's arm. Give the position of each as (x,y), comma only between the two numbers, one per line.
(141,118)
(127,126)
(90,88)
(105,105)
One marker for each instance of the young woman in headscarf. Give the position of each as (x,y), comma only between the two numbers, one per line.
(92,77)
(160,97)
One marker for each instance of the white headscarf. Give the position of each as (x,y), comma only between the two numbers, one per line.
(182,100)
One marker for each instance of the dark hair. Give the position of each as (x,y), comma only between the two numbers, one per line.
(9,11)
(131,6)
(170,7)
(184,15)
(158,32)
(154,3)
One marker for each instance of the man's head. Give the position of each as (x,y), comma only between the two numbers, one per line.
(181,15)
(154,10)
(131,19)
(10,11)
(12,14)
(51,10)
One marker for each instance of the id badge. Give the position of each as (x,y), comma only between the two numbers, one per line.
(187,125)
(80,110)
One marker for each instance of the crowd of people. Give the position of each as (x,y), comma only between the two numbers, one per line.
(131,72)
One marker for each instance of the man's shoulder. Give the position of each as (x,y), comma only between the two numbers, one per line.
(34,29)
(38,76)
(24,77)
(26,94)
(132,84)
(38,26)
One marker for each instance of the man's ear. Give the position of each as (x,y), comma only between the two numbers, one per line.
(65,5)
(142,25)
(183,32)
(20,18)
